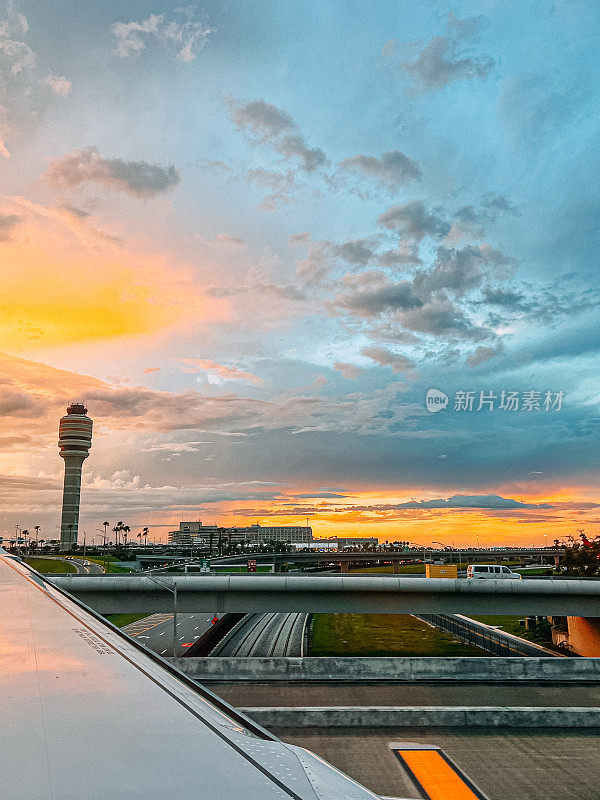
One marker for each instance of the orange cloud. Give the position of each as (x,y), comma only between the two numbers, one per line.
(219,370)
(64,281)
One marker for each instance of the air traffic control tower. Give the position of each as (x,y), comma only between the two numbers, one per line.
(74,440)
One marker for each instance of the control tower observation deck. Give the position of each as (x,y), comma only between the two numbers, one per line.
(74,440)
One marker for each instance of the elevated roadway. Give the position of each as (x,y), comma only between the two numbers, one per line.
(374,555)
(548,554)
(156,631)
(334,594)
(265,635)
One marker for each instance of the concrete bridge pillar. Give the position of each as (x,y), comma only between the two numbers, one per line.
(344,565)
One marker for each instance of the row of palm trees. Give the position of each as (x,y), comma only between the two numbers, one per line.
(25,536)
(122,530)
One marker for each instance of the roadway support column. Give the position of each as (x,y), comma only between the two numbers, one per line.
(344,565)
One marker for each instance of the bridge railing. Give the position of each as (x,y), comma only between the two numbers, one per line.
(492,640)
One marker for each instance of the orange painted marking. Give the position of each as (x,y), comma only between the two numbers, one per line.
(438,779)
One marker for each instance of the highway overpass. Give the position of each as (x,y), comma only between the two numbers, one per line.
(333,594)
(301,557)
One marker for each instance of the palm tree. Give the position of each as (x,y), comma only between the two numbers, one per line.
(145,535)
(116,533)
(126,529)
(37,529)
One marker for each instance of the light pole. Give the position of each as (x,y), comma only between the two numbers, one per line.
(174,593)
(104,542)
(451,553)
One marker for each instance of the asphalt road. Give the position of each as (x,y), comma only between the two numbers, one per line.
(78,563)
(265,635)
(156,632)
(92,569)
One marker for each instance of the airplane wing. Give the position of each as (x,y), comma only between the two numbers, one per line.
(88,714)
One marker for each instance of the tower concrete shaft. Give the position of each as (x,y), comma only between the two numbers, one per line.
(74,441)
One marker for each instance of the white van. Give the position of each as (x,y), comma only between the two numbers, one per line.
(490,571)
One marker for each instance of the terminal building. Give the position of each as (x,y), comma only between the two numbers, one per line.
(257,534)
(340,543)
(195,534)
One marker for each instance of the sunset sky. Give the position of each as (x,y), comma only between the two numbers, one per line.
(251,236)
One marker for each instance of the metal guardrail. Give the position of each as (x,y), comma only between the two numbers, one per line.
(494,641)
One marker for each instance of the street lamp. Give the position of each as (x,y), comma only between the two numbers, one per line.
(174,593)
(103,532)
(451,553)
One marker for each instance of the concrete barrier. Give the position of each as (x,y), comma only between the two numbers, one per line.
(424,717)
(408,670)
(375,594)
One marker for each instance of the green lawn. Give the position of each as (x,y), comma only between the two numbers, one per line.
(382,635)
(49,565)
(506,623)
(120,620)
(541,634)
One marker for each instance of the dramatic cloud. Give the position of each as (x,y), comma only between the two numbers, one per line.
(423,304)
(270,125)
(134,177)
(7,223)
(58,83)
(291,147)
(473,501)
(441,318)
(186,33)
(505,298)
(348,371)
(15,54)
(218,371)
(38,392)
(459,271)
(387,297)
(398,362)
(356,251)
(279,183)
(414,222)
(263,119)
(392,170)
(498,202)
(442,61)
(480,355)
